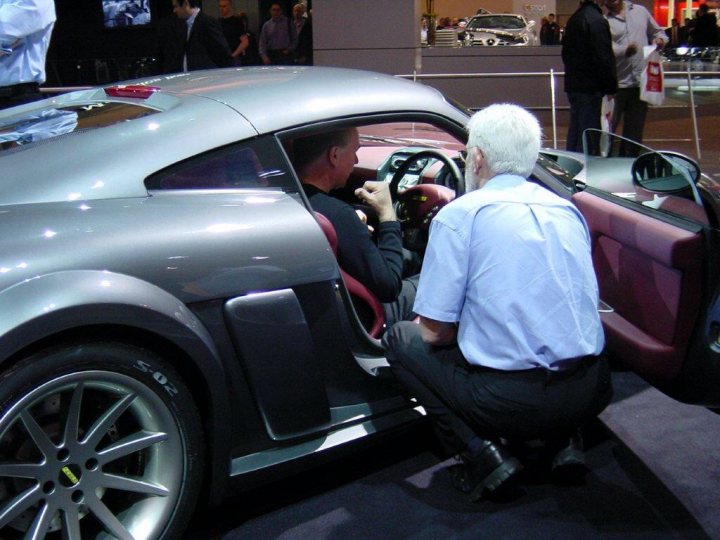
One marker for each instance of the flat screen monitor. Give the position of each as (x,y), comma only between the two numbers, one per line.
(126,13)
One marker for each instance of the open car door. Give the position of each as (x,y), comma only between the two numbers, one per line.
(656,258)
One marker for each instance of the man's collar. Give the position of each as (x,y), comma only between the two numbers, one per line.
(193,16)
(504,181)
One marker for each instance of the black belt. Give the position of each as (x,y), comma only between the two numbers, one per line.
(19,89)
(570,367)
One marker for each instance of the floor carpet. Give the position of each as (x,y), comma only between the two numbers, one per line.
(655,473)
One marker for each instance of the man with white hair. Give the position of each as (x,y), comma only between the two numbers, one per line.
(509,333)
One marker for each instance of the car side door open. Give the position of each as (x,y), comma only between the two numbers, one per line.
(654,254)
(649,273)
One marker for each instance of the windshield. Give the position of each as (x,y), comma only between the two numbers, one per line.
(505,22)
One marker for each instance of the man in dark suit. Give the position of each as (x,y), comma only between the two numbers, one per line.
(205,45)
(303,29)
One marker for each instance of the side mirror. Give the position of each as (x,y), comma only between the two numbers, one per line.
(665,172)
(531,24)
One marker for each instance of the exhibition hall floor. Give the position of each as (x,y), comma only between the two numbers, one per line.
(654,473)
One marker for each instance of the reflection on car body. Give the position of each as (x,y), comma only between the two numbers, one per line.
(174,320)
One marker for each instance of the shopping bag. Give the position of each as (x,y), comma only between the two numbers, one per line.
(606,111)
(651,79)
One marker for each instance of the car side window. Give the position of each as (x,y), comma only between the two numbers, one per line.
(254,164)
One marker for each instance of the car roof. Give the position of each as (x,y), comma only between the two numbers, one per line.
(188,114)
(272,98)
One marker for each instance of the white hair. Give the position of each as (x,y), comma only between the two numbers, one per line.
(508,136)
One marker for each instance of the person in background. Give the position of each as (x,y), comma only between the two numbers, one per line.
(551,30)
(234,30)
(674,34)
(205,46)
(632,28)
(590,72)
(303,30)
(705,30)
(543,30)
(509,332)
(278,39)
(25,30)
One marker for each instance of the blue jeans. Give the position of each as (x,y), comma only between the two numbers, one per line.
(584,113)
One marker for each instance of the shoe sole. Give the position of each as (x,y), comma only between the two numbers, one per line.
(569,468)
(496,479)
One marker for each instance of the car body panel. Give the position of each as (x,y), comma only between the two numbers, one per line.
(232,231)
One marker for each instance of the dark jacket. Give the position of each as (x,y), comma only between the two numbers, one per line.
(705,33)
(206,46)
(378,267)
(304,51)
(170,44)
(587,52)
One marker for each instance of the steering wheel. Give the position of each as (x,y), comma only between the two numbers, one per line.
(418,205)
(456,177)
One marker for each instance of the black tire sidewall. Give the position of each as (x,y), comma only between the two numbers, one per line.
(139,364)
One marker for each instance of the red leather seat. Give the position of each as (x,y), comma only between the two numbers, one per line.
(356,289)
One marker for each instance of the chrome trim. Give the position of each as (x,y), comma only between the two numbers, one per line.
(275,456)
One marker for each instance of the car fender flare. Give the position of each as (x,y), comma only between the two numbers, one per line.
(46,305)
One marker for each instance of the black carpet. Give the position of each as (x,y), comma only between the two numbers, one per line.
(654,474)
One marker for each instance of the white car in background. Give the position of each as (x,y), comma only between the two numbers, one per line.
(500,29)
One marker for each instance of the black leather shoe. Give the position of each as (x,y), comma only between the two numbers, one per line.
(568,466)
(485,472)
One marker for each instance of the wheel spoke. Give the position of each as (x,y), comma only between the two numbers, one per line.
(19,504)
(39,527)
(72,422)
(128,445)
(124,483)
(39,437)
(106,420)
(21,470)
(108,519)
(71,526)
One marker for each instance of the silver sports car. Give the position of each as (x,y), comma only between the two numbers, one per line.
(174,321)
(500,29)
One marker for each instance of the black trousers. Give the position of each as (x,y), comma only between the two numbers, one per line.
(631,111)
(464,401)
(584,113)
(280,58)
(18,94)
(401,308)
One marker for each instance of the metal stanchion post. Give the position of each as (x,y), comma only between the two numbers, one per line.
(693,114)
(552,107)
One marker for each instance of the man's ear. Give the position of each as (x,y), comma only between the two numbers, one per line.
(477,159)
(333,155)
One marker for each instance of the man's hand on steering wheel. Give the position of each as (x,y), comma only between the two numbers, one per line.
(377,196)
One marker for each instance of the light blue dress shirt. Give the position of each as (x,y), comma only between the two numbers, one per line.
(25,29)
(511,263)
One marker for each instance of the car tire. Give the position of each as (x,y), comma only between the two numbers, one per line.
(97,440)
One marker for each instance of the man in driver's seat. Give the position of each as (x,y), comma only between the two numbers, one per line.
(324,163)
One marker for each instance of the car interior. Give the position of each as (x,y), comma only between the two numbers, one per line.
(651,265)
